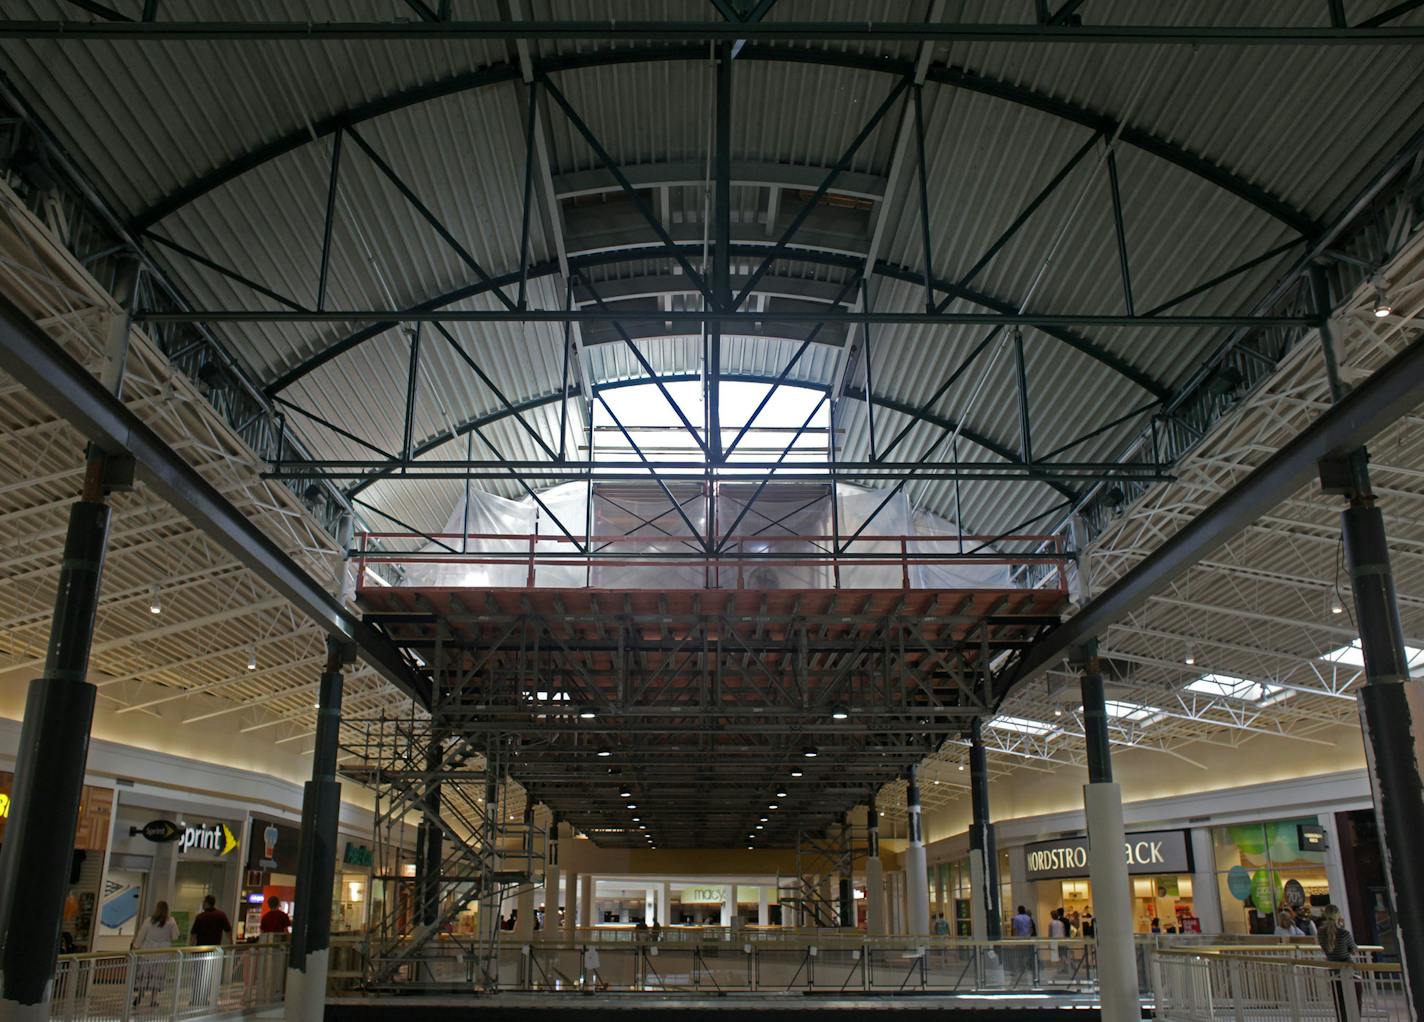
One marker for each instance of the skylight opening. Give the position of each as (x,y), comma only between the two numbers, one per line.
(1023,726)
(1135,713)
(792,417)
(1353,656)
(1229,686)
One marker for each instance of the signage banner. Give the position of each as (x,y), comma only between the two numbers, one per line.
(703,894)
(272,846)
(157,831)
(1157,851)
(356,855)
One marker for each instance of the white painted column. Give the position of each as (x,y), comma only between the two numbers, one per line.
(1112,898)
(650,905)
(917,890)
(665,904)
(763,906)
(978,920)
(877,923)
(1334,872)
(571,902)
(587,908)
(1206,897)
(729,904)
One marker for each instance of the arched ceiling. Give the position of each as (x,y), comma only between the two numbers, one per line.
(968,177)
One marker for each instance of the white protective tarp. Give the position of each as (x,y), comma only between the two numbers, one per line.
(951,574)
(637,523)
(789,524)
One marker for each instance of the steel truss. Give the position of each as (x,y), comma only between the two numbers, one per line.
(701,703)
(824,859)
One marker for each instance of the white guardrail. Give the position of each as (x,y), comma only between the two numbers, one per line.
(176,983)
(1249,985)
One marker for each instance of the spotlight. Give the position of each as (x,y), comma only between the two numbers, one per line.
(796,773)
(1382,304)
(587,715)
(809,753)
(155,604)
(839,713)
(1191,656)
(961,768)
(604,752)
(252,659)
(1336,607)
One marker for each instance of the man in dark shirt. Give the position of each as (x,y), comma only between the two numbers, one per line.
(274,920)
(210,925)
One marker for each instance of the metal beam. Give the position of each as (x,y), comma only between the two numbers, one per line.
(1391,392)
(57,379)
(617,31)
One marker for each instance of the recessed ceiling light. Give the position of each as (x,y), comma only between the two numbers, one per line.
(765,818)
(796,773)
(759,827)
(625,794)
(781,794)
(773,805)
(604,752)
(587,715)
(809,753)
(839,714)
(632,805)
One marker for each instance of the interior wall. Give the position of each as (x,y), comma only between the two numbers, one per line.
(1148,775)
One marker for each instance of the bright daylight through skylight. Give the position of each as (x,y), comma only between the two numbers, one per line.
(1023,726)
(1232,687)
(1353,656)
(643,413)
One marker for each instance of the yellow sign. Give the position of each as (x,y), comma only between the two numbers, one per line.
(4,806)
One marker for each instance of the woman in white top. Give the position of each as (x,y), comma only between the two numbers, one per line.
(1285,925)
(159,930)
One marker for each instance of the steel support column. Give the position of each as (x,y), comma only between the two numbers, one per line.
(1392,711)
(983,851)
(917,880)
(1107,866)
(877,922)
(316,856)
(49,769)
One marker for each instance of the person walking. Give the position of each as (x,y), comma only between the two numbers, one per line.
(210,928)
(1338,943)
(159,930)
(274,920)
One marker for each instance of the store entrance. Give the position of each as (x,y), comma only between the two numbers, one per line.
(1165,901)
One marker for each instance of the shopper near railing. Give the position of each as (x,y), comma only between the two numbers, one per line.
(159,930)
(1338,943)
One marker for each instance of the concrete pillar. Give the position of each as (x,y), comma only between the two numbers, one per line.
(984,907)
(665,905)
(1020,890)
(650,905)
(763,906)
(917,894)
(572,882)
(1206,899)
(729,905)
(316,857)
(1392,712)
(552,898)
(49,769)
(1107,866)
(1334,871)
(587,907)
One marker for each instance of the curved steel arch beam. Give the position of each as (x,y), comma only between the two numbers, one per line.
(943,74)
(893,271)
(889,404)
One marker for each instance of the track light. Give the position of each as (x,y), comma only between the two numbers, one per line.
(155,603)
(252,659)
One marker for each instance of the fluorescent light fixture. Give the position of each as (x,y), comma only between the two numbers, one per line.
(1022,726)
(1229,686)
(1353,656)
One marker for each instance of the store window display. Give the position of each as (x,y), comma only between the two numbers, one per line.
(1263,867)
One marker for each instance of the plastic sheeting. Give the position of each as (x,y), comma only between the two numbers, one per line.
(791,524)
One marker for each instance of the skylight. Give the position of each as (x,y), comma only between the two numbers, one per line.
(1353,656)
(758,423)
(1023,726)
(1231,687)
(1137,713)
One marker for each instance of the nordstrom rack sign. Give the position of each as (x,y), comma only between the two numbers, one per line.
(1158,851)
